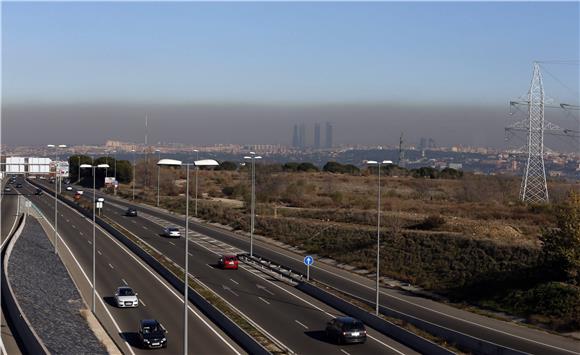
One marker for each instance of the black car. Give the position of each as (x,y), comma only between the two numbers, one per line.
(152,334)
(38,192)
(131,212)
(346,330)
(19,185)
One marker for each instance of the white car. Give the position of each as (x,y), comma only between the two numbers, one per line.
(69,188)
(171,232)
(80,192)
(125,297)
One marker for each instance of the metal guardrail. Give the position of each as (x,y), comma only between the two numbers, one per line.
(383,326)
(461,340)
(242,338)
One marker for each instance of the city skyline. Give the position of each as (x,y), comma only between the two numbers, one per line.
(397,67)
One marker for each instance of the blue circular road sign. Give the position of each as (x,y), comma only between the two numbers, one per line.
(308,260)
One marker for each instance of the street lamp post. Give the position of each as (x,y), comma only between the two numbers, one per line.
(172,162)
(158,168)
(56,193)
(106,166)
(115,185)
(378,164)
(134,166)
(253,158)
(196,173)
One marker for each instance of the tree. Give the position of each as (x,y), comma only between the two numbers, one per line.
(335,167)
(73,164)
(561,245)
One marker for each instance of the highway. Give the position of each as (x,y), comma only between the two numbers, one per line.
(116,266)
(294,319)
(8,209)
(495,331)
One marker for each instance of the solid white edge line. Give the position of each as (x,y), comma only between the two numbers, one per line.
(90,284)
(420,306)
(228,303)
(156,277)
(303,300)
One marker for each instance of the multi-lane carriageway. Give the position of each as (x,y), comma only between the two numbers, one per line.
(494,331)
(117,266)
(293,319)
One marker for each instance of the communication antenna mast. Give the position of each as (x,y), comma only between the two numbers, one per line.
(401,161)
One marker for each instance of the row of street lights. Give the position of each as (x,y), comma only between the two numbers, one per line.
(196,164)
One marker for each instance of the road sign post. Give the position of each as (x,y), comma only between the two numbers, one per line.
(308,260)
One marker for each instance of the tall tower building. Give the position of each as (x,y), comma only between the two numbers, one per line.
(295,139)
(302,135)
(317,135)
(328,135)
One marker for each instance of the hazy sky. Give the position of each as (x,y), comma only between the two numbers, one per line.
(246,72)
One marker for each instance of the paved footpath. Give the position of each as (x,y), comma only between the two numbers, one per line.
(48,296)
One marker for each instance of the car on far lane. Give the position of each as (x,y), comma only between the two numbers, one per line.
(131,212)
(172,232)
(152,334)
(38,192)
(69,188)
(126,297)
(7,189)
(18,185)
(228,262)
(346,330)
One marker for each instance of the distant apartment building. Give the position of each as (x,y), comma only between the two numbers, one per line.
(302,135)
(295,139)
(328,135)
(317,135)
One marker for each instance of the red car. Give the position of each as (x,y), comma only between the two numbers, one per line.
(228,262)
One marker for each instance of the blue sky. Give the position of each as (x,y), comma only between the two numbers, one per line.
(419,53)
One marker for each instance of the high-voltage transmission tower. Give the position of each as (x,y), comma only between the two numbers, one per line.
(533,188)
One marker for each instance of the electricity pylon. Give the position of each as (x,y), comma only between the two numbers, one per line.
(533,188)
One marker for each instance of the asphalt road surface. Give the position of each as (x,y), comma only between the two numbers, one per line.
(495,331)
(116,266)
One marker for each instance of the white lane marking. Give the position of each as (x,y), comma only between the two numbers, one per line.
(91,285)
(125,282)
(67,220)
(263,300)
(171,243)
(111,266)
(88,241)
(81,233)
(73,226)
(144,227)
(234,281)
(143,303)
(179,297)
(98,251)
(344,352)
(190,254)
(301,324)
(209,266)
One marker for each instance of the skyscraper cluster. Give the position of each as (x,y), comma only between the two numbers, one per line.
(299,136)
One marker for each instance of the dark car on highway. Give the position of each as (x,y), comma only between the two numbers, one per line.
(152,334)
(38,192)
(19,185)
(346,330)
(131,212)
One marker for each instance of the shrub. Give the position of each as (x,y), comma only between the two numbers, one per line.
(431,222)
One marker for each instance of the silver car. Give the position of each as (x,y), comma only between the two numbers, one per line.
(171,232)
(125,297)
